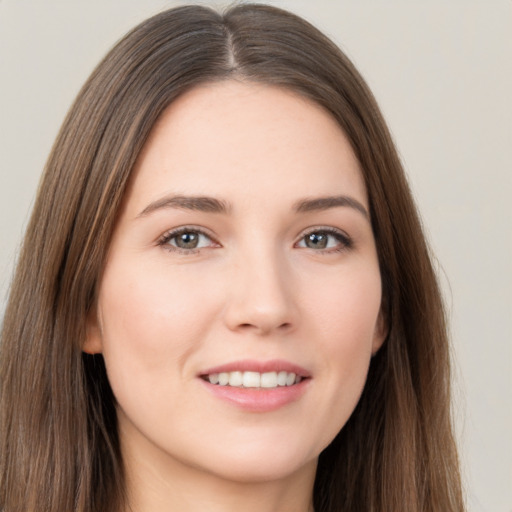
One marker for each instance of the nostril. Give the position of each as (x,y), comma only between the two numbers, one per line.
(264,328)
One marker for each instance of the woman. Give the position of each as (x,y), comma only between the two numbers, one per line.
(224,298)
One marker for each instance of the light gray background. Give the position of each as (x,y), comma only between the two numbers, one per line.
(441,71)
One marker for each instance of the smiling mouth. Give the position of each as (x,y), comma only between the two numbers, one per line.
(253,380)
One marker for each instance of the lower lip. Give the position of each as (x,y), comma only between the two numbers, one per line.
(258,399)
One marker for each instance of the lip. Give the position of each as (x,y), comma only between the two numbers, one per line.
(246,365)
(258,400)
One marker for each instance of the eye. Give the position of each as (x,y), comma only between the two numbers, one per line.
(325,240)
(186,240)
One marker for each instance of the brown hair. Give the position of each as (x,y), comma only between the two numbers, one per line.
(58,439)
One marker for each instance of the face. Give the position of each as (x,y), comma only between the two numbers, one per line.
(240,302)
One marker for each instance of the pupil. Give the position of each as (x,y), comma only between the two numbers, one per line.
(187,240)
(316,241)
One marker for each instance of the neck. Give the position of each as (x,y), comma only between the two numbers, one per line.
(186,492)
(170,486)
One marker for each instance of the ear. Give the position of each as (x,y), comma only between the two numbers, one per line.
(381,332)
(93,343)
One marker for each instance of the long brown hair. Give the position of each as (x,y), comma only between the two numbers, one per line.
(58,440)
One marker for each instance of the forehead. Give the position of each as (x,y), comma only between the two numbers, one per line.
(245,139)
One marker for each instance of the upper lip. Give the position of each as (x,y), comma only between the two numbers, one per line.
(246,365)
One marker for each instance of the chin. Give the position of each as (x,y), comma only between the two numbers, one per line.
(262,470)
(255,463)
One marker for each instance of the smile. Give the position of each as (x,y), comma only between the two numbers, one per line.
(251,379)
(257,386)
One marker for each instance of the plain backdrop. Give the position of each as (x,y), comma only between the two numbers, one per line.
(442,73)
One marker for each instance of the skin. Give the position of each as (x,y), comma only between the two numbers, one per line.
(252,289)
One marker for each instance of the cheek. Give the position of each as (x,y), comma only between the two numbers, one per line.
(345,316)
(149,323)
(346,307)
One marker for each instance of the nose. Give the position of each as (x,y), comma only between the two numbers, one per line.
(261,296)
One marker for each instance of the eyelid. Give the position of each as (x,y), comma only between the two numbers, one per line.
(339,234)
(164,239)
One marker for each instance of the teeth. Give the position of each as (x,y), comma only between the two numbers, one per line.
(269,380)
(251,379)
(235,379)
(254,379)
(281,378)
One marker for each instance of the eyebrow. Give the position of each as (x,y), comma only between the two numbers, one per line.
(214,205)
(195,203)
(326,203)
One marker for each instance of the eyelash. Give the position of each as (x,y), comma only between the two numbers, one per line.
(345,242)
(170,235)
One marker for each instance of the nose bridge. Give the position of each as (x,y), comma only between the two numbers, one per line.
(261,297)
